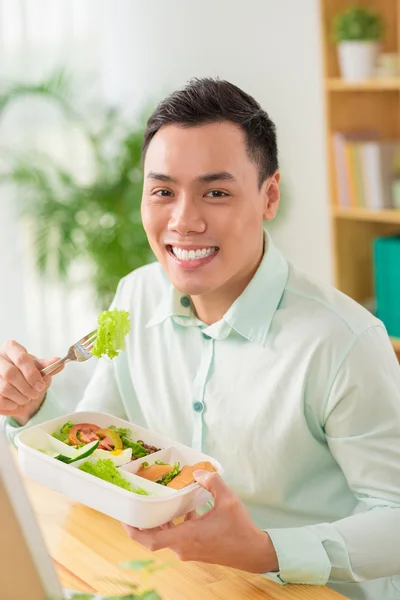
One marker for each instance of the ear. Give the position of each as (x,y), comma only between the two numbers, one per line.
(272,196)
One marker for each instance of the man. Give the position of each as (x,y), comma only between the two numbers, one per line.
(292,386)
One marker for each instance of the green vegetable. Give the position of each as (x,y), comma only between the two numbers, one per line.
(113,325)
(138,451)
(120,431)
(83,451)
(145,464)
(169,476)
(160,462)
(62,435)
(358,23)
(106,470)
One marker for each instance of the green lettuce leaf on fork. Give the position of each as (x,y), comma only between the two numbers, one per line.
(113,326)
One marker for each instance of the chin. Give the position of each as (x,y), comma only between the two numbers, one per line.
(191,288)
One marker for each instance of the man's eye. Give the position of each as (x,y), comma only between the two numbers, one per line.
(163,193)
(216,194)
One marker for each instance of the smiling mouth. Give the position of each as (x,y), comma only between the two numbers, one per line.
(193,257)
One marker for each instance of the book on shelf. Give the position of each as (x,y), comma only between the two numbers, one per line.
(366,169)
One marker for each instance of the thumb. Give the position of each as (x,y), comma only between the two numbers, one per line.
(41,363)
(211,482)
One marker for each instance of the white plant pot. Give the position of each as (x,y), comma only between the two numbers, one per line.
(357,60)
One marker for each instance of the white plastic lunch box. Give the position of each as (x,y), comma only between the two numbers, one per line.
(162,505)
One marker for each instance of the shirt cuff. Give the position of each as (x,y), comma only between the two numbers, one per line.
(301,557)
(50,409)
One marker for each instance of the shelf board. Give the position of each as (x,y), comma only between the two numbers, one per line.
(395,344)
(336,84)
(364,214)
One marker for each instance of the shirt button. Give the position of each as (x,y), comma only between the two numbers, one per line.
(185,301)
(198,406)
(206,337)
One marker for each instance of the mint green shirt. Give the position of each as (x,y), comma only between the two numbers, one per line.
(296,391)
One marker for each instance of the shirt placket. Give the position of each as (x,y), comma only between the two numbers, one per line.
(199,388)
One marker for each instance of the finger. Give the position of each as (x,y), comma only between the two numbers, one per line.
(24,362)
(156,539)
(7,407)
(213,483)
(45,362)
(191,516)
(142,536)
(9,392)
(17,412)
(169,525)
(12,375)
(151,530)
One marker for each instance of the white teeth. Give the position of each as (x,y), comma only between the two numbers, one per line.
(192,254)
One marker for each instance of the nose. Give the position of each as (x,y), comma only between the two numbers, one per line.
(186,217)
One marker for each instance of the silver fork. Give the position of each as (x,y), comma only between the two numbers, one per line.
(80,351)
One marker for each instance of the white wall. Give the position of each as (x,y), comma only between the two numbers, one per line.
(269,48)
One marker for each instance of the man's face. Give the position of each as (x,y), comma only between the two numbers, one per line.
(202,208)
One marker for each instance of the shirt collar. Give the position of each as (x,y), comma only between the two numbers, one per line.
(173,304)
(251,314)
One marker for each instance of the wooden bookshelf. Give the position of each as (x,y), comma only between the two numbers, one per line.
(372,104)
(363,214)
(336,84)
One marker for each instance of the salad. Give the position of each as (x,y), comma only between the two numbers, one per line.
(107,471)
(111,446)
(172,476)
(111,442)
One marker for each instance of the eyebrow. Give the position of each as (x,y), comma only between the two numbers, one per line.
(206,178)
(160,177)
(219,176)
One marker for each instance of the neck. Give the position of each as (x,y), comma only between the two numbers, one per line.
(212,306)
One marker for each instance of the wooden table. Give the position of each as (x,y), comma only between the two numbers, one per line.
(87,548)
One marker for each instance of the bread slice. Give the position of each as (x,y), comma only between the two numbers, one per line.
(185,477)
(155,472)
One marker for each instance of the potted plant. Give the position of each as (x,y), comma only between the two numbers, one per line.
(357,31)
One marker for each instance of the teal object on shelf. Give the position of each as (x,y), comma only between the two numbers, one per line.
(387,282)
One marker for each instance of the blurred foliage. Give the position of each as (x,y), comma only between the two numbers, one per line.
(136,592)
(99,219)
(358,23)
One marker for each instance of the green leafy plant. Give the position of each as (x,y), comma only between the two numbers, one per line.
(97,219)
(358,24)
(135,592)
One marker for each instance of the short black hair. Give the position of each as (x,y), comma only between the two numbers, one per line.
(208,100)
